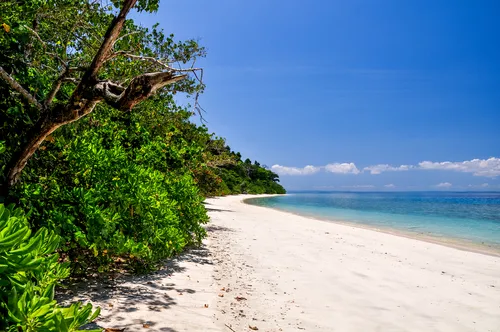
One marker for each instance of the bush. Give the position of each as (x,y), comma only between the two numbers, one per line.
(29,271)
(117,194)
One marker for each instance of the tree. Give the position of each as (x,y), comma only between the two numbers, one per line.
(129,64)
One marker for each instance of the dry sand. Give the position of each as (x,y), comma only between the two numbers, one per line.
(300,273)
(275,271)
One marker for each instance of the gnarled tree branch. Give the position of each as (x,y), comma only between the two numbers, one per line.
(140,88)
(90,91)
(125,36)
(80,104)
(17,87)
(162,64)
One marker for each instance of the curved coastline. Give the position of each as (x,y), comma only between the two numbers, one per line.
(444,241)
(293,272)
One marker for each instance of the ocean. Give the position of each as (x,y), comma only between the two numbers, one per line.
(466,219)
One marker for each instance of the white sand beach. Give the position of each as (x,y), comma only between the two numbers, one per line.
(274,271)
(304,274)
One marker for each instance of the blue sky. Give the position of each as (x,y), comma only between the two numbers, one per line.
(352,84)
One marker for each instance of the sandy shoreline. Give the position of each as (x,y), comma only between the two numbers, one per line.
(321,276)
(275,271)
(449,242)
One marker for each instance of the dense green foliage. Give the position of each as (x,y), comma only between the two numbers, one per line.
(117,186)
(247,178)
(29,271)
(116,190)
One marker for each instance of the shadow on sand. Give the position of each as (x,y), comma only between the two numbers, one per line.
(134,290)
(214,209)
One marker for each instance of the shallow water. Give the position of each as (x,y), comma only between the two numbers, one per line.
(467,218)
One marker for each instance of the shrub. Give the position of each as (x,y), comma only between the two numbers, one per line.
(117,194)
(29,271)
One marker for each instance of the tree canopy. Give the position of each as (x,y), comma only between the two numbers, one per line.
(94,147)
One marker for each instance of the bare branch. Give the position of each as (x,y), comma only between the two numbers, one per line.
(61,60)
(197,105)
(42,65)
(37,36)
(200,79)
(109,39)
(137,57)
(81,68)
(200,110)
(155,61)
(125,36)
(56,86)
(17,87)
(71,79)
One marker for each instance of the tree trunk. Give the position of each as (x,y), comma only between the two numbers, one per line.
(78,106)
(45,126)
(41,130)
(85,97)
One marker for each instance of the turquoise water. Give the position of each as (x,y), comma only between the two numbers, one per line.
(465,217)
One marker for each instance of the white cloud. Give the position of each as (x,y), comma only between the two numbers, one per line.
(444,185)
(337,168)
(390,186)
(377,169)
(342,168)
(284,170)
(482,185)
(479,167)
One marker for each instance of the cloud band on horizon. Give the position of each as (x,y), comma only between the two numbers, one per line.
(478,167)
(337,168)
